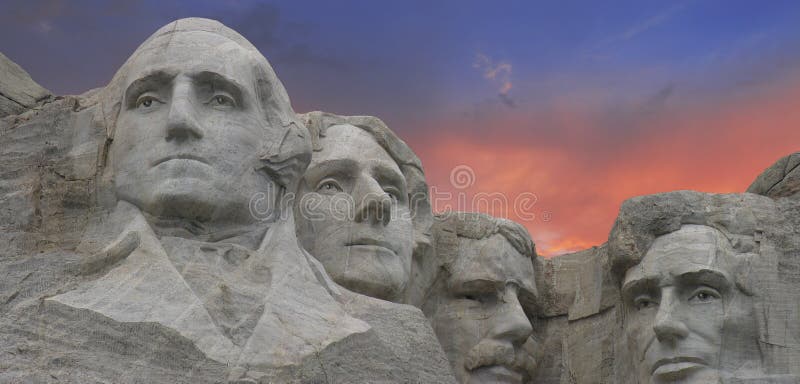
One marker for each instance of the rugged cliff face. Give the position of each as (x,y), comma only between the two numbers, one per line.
(589,312)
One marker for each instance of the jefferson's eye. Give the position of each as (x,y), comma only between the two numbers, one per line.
(329,186)
(394,194)
(704,295)
(222,101)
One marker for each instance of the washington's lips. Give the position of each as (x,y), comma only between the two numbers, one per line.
(676,364)
(180,157)
(500,373)
(366,241)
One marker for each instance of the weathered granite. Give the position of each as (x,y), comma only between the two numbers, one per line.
(119,267)
(362,207)
(124,268)
(723,298)
(484,297)
(18,92)
(781,179)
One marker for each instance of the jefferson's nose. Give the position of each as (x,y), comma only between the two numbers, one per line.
(510,322)
(668,326)
(182,121)
(373,204)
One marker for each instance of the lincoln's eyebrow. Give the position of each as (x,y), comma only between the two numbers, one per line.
(710,277)
(638,285)
(148,81)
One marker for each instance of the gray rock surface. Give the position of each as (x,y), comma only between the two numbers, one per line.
(106,281)
(484,297)
(117,269)
(18,92)
(781,179)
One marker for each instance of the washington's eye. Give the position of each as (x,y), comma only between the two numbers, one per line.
(220,100)
(704,295)
(644,302)
(329,186)
(146,101)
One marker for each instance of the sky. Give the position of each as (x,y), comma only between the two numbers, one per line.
(548,113)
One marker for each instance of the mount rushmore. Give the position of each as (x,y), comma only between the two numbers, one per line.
(183,224)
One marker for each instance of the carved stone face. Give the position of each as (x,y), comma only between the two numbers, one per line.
(353,214)
(678,302)
(477,315)
(190,130)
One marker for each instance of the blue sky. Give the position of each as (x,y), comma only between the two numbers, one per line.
(577,91)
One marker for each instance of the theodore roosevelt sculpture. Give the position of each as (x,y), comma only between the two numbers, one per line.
(362,207)
(478,302)
(198,125)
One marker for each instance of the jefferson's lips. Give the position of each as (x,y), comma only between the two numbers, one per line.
(679,363)
(180,156)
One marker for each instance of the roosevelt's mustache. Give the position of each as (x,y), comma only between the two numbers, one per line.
(490,352)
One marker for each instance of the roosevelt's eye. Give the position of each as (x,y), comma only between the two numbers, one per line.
(644,302)
(222,100)
(329,186)
(704,295)
(147,101)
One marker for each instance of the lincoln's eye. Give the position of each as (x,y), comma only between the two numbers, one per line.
(147,102)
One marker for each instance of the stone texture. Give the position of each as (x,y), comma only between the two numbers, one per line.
(103,284)
(756,248)
(782,179)
(18,92)
(100,285)
(483,299)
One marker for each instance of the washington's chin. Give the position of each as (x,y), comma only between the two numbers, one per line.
(494,374)
(189,198)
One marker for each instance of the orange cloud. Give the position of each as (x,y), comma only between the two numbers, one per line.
(579,173)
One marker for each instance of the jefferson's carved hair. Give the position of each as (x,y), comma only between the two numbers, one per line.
(318,123)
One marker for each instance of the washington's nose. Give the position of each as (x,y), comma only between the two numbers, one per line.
(510,323)
(668,326)
(182,121)
(373,204)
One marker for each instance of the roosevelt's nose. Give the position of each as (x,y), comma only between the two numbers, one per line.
(510,322)
(668,324)
(182,123)
(373,204)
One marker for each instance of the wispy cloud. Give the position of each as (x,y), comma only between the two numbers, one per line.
(498,73)
(645,25)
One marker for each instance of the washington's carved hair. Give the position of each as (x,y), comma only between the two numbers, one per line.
(272,99)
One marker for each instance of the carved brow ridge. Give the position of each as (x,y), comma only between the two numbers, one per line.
(161,76)
(711,277)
